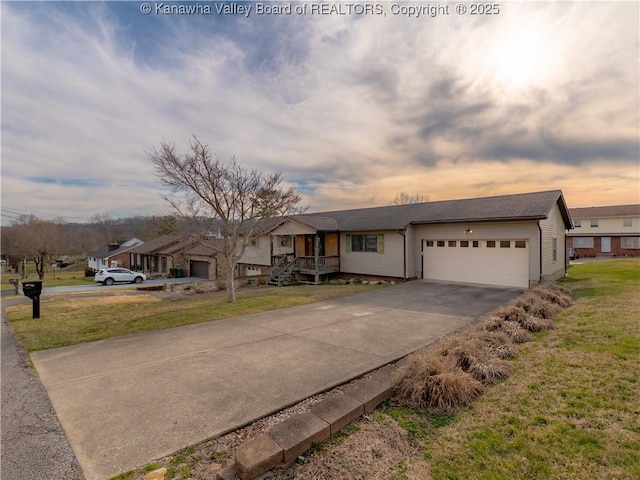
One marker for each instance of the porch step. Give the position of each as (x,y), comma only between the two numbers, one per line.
(282,273)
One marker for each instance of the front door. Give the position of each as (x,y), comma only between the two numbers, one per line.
(605,244)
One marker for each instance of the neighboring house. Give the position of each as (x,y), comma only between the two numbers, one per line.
(205,262)
(114,255)
(612,230)
(508,240)
(160,256)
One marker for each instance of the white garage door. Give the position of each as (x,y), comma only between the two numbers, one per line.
(492,262)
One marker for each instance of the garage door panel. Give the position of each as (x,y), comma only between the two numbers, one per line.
(482,264)
(199,269)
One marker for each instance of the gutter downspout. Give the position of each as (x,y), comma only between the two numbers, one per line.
(404,253)
(540,250)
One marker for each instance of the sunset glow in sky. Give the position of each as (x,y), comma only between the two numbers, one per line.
(352,108)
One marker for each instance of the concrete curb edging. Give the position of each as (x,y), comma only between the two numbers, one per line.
(289,439)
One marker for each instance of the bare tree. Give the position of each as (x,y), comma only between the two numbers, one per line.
(223,192)
(404,198)
(37,240)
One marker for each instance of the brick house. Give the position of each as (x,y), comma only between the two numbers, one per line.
(612,230)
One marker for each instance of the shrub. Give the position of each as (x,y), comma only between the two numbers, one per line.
(434,383)
(537,306)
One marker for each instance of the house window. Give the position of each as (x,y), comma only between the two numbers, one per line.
(582,242)
(464,243)
(453,243)
(554,247)
(594,222)
(440,243)
(285,240)
(630,242)
(429,243)
(367,243)
(491,244)
(163,264)
(577,223)
(627,222)
(505,243)
(476,244)
(521,243)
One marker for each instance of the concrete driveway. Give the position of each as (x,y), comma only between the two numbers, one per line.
(126,401)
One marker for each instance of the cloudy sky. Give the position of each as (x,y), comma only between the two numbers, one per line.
(353,107)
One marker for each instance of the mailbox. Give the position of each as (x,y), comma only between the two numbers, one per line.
(33,289)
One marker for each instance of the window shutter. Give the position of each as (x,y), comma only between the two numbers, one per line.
(348,243)
(381,243)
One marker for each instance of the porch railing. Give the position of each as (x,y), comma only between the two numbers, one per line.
(330,263)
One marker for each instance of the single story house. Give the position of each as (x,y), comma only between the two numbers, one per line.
(612,230)
(114,255)
(158,257)
(508,240)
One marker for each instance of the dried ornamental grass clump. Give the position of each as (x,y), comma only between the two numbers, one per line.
(488,368)
(432,382)
(516,314)
(497,341)
(554,294)
(476,354)
(516,333)
(537,306)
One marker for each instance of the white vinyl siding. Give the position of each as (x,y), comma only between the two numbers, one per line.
(609,226)
(388,262)
(553,227)
(526,230)
(259,254)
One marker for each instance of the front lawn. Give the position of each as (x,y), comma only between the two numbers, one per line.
(71,319)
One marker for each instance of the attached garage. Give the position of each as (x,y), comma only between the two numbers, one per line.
(199,269)
(490,262)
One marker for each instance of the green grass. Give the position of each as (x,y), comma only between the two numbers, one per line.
(68,276)
(570,410)
(72,319)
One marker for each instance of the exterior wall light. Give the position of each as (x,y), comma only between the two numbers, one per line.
(468,230)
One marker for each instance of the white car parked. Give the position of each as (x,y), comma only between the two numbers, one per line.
(109,276)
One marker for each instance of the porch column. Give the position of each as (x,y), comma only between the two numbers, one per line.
(316,251)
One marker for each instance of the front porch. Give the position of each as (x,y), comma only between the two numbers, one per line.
(299,256)
(290,269)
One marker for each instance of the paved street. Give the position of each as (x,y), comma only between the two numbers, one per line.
(34,446)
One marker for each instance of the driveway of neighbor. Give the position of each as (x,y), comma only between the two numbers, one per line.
(126,401)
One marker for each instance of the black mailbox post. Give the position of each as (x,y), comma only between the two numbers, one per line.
(33,289)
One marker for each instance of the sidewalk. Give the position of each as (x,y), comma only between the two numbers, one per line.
(126,401)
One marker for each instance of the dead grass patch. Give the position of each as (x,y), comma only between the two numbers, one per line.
(379,450)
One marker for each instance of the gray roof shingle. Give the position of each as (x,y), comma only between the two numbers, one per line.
(607,211)
(530,206)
